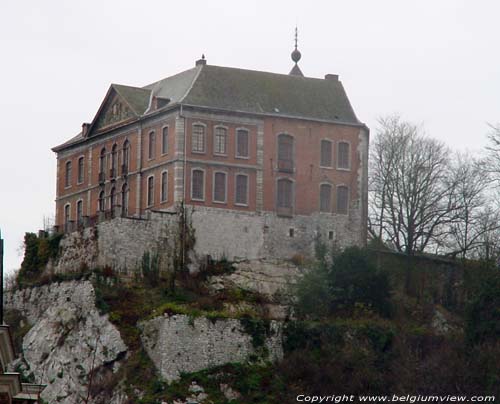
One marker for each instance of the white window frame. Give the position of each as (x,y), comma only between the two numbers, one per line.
(332,144)
(204,138)
(204,184)
(225,186)
(163,153)
(236,189)
(163,200)
(348,156)
(151,202)
(236,155)
(215,137)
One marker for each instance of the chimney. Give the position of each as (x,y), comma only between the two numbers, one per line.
(202,61)
(333,77)
(85,129)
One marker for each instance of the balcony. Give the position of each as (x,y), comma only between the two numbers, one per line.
(286,166)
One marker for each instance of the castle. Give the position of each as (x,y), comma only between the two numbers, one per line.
(268,162)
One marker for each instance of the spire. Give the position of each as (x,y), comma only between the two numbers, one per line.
(296,55)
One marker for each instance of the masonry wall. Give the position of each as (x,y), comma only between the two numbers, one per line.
(121,242)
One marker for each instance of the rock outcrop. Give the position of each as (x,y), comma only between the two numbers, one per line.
(68,338)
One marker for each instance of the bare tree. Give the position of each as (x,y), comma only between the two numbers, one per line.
(413,192)
(476,219)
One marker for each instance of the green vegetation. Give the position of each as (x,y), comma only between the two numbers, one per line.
(37,253)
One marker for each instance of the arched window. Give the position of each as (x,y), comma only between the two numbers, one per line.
(343,152)
(151,191)
(102,165)
(342,199)
(125,157)
(242,147)
(112,200)
(81,165)
(285,153)
(164,140)
(79,212)
(114,160)
(125,199)
(198,185)
(241,189)
(220,140)
(164,186)
(102,202)
(326,153)
(325,198)
(285,197)
(152,145)
(67,214)
(198,139)
(220,187)
(67,174)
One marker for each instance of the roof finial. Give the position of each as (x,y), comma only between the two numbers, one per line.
(296,55)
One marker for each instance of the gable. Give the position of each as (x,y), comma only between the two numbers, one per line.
(114,111)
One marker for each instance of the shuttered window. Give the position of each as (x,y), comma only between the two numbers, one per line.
(242,143)
(80,170)
(164,186)
(241,189)
(151,191)
(326,153)
(343,155)
(152,145)
(197,185)
(342,199)
(325,197)
(164,140)
(285,193)
(220,187)
(67,174)
(285,153)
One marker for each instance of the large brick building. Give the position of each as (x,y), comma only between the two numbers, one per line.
(226,140)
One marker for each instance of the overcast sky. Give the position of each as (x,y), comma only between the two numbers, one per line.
(435,62)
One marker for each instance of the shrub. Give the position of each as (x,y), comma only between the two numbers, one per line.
(349,284)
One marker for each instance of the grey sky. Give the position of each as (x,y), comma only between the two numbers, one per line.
(435,62)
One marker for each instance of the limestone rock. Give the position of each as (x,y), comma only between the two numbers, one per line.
(180,344)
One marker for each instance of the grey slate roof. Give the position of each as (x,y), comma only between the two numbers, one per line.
(247,91)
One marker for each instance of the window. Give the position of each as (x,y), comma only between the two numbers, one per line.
(242,143)
(80,169)
(241,189)
(198,185)
(114,160)
(325,198)
(102,164)
(164,140)
(326,153)
(285,153)
(198,139)
(152,145)
(67,174)
(125,157)
(102,202)
(151,190)
(164,186)
(342,199)
(67,214)
(220,141)
(112,200)
(343,155)
(219,187)
(79,212)
(285,193)
(125,199)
